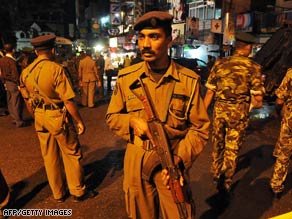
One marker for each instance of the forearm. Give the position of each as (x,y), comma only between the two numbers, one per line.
(191,146)
(73,111)
(119,124)
(208,98)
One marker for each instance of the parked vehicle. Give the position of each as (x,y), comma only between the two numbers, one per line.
(197,65)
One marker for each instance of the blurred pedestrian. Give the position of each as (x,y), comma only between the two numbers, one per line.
(127,61)
(3,97)
(100,66)
(137,58)
(10,72)
(88,76)
(49,97)
(109,72)
(283,149)
(71,66)
(210,63)
(175,91)
(233,80)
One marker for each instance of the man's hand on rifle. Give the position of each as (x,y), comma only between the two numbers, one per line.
(140,127)
(165,174)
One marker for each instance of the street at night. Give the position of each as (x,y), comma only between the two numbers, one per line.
(22,165)
(241,51)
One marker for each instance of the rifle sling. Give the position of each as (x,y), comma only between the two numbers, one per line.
(37,86)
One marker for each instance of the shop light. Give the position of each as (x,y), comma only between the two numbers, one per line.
(98,48)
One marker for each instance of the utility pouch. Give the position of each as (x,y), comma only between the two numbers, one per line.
(65,119)
(24,92)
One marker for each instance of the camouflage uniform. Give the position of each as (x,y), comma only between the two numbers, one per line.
(232,79)
(283,149)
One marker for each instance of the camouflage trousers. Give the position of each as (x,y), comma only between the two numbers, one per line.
(229,124)
(282,152)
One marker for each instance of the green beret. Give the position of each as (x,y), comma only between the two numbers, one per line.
(43,42)
(153,19)
(245,37)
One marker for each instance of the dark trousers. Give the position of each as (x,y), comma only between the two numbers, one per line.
(109,74)
(14,102)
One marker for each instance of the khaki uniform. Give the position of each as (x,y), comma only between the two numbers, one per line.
(233,79)
(283,149)
(57,144)
(188,136)
(88,72)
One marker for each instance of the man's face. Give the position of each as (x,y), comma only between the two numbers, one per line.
(153,44)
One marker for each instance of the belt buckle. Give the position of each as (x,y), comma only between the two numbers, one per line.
(48,107)
(147,145)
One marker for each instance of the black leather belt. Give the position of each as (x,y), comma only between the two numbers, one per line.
(145,144)
(50,106)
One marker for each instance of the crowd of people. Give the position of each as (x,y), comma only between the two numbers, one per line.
(178,118)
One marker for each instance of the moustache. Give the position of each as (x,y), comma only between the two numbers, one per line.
(147,51)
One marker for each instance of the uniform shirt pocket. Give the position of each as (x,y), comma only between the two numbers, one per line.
(177,111)
(133,104)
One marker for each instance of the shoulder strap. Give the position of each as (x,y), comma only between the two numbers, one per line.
(37,86)
(36,64)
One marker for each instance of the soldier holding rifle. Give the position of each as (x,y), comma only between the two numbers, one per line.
(163,140)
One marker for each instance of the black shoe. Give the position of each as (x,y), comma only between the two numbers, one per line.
(23,124)
(87,195)
(216,180)
(60,200)
(276,194)
(4,113)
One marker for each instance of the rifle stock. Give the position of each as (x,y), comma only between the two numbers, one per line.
(161,145)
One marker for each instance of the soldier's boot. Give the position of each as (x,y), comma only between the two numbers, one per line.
(277,192)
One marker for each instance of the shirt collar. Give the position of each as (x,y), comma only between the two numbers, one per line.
(171,71)
(10,56)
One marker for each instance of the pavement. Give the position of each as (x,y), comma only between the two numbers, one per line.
(22,165)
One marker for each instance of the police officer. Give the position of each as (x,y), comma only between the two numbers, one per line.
(100,66)
(49,96)
(232,80)
(283,149)
(88,76)
(175,91)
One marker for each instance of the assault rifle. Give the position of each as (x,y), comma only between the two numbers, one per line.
(161,145)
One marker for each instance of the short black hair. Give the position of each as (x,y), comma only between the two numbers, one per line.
(8,47)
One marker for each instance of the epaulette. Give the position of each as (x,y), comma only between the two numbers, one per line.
(133,68)
(186,71)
